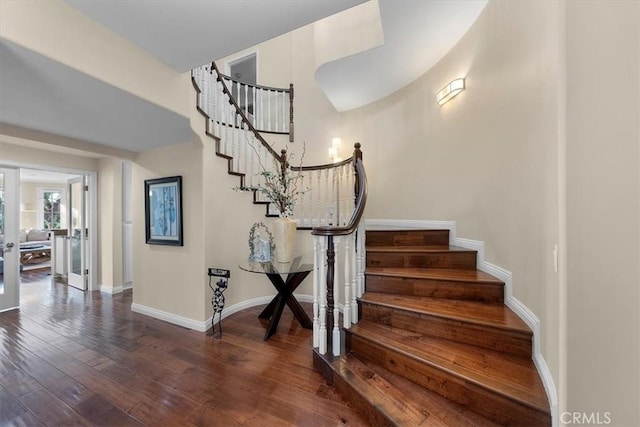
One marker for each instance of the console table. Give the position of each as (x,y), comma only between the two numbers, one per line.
(296,271)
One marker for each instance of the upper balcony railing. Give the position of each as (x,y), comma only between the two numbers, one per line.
(333,202)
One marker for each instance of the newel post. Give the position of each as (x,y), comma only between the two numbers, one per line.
(331,260)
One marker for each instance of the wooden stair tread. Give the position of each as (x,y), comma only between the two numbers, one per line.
(493,315)
(453,274)
(418,249)
(388,392)
(513,377)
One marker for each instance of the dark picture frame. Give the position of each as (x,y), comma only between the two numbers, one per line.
(163,211)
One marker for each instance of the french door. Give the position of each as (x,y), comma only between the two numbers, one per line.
(9,239)
(78,233)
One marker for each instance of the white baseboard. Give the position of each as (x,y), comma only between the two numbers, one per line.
(510,301)
(108,289)
(199,326)
(185,322)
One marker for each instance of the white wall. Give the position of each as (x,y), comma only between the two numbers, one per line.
(110,224)
(603,209)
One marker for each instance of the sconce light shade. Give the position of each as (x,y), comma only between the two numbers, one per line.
(453,88)
(334,149)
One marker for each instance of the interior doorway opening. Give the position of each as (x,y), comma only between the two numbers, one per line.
(52,229)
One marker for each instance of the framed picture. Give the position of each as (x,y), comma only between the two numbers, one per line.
(163,211)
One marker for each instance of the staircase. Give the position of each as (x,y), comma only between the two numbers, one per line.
(435,344)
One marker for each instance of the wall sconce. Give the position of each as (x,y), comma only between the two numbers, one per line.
(334,149)
(453,88)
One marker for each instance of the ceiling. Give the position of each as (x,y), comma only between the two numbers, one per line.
(417,34)
(41,94)
(211,29)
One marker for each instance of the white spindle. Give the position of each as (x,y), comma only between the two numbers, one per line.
(284,116)
(261,109)
(269,111)
(361,257)
(346,314)
(327,196)
(354,280)
(309,199)
(316,280)
(276,109)
(336,312)
(246,100)
(254,122)
(319,206)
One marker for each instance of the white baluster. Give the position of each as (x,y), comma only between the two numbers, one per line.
(245,148)
(354,280)
(346,312)
(316,280)
(336,298)
(246,100)
(318,188)
(254,122)
(269,119)
(309,198)
(276,109)
(322,344)
(284,116)
(261,110)
(327,196)
(361,257)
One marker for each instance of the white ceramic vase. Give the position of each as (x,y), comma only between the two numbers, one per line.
(284,237)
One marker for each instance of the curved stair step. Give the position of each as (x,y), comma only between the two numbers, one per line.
(499,386)
(491,326)
(408,237)
(381,396)
(421,257)
(462,284)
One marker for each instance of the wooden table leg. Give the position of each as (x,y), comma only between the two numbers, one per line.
(273,311)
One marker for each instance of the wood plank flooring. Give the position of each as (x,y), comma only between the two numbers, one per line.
(83,358)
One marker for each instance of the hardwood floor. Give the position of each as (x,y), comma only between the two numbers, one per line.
(83,358)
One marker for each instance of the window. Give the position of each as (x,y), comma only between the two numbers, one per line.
(51,209)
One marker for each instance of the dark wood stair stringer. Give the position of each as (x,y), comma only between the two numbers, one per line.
(440,325)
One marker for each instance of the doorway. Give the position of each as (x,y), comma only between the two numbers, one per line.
(54,228)
(244,70)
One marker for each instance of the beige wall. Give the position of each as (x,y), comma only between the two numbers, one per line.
(171,278)
(18,153)
(603,209)
(29,199)
(110,223)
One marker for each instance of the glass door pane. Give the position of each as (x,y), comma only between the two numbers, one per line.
(9,243)
(77,233)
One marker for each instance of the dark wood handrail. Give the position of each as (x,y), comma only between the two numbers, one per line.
(361,202)
(239,112)
(322,167)
(257,86)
